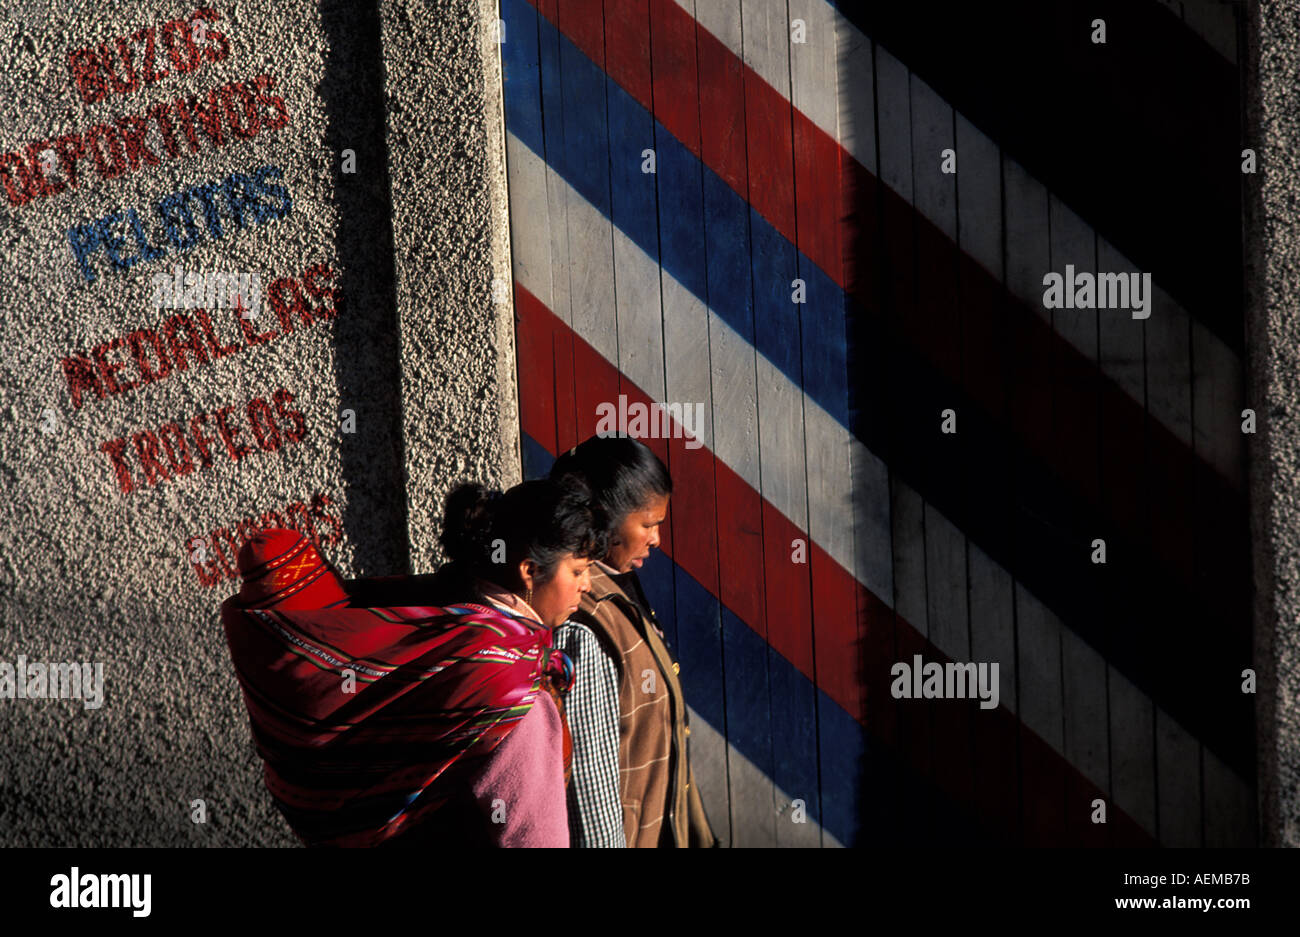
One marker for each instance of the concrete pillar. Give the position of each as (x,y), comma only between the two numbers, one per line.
(446,137)
(1273,348)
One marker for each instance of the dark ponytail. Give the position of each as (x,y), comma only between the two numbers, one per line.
(623,474)
(467,522)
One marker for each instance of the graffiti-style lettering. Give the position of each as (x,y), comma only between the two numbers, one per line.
(186,340)
(176,214)
(110,67)
(231,111)
(231,429)
(210,564)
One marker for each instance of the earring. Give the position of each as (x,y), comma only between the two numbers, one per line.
(529,597)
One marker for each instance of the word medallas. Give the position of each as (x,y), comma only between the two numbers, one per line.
(239,198)
(188,340)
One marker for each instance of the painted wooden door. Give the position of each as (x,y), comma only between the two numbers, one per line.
(829,229)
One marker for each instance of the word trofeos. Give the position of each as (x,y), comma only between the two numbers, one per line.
(239,199)
(1104,291)
(269,424)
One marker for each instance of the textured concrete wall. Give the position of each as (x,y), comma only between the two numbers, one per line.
(1273,337)
(93,572)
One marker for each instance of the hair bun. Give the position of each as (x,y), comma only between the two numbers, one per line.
(467,521)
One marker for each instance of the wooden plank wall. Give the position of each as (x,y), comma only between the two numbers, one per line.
(781,162)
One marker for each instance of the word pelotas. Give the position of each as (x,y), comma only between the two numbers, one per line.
(241,198)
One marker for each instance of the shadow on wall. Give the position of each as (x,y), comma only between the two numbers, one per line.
(1052,441)
(366,361)
(161,757)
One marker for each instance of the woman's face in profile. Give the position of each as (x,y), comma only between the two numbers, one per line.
(558,597)
(637,534)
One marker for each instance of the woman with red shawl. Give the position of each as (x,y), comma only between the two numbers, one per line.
(419,710)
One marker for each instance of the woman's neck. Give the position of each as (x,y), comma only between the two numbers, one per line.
(506,600)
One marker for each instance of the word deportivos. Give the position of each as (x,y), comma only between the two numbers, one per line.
(237,110)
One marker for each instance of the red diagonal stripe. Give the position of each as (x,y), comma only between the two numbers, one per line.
(1193,512)
(853,671)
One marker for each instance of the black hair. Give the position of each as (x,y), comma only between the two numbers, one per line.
(539,520)
(623,474)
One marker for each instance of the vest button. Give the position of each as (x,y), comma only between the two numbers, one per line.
(677,668)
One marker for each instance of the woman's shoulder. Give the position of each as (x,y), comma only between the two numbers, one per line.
(449,585)
(580,635)
(610,618)
(598,609)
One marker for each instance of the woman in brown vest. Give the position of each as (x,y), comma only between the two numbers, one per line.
(632,783)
